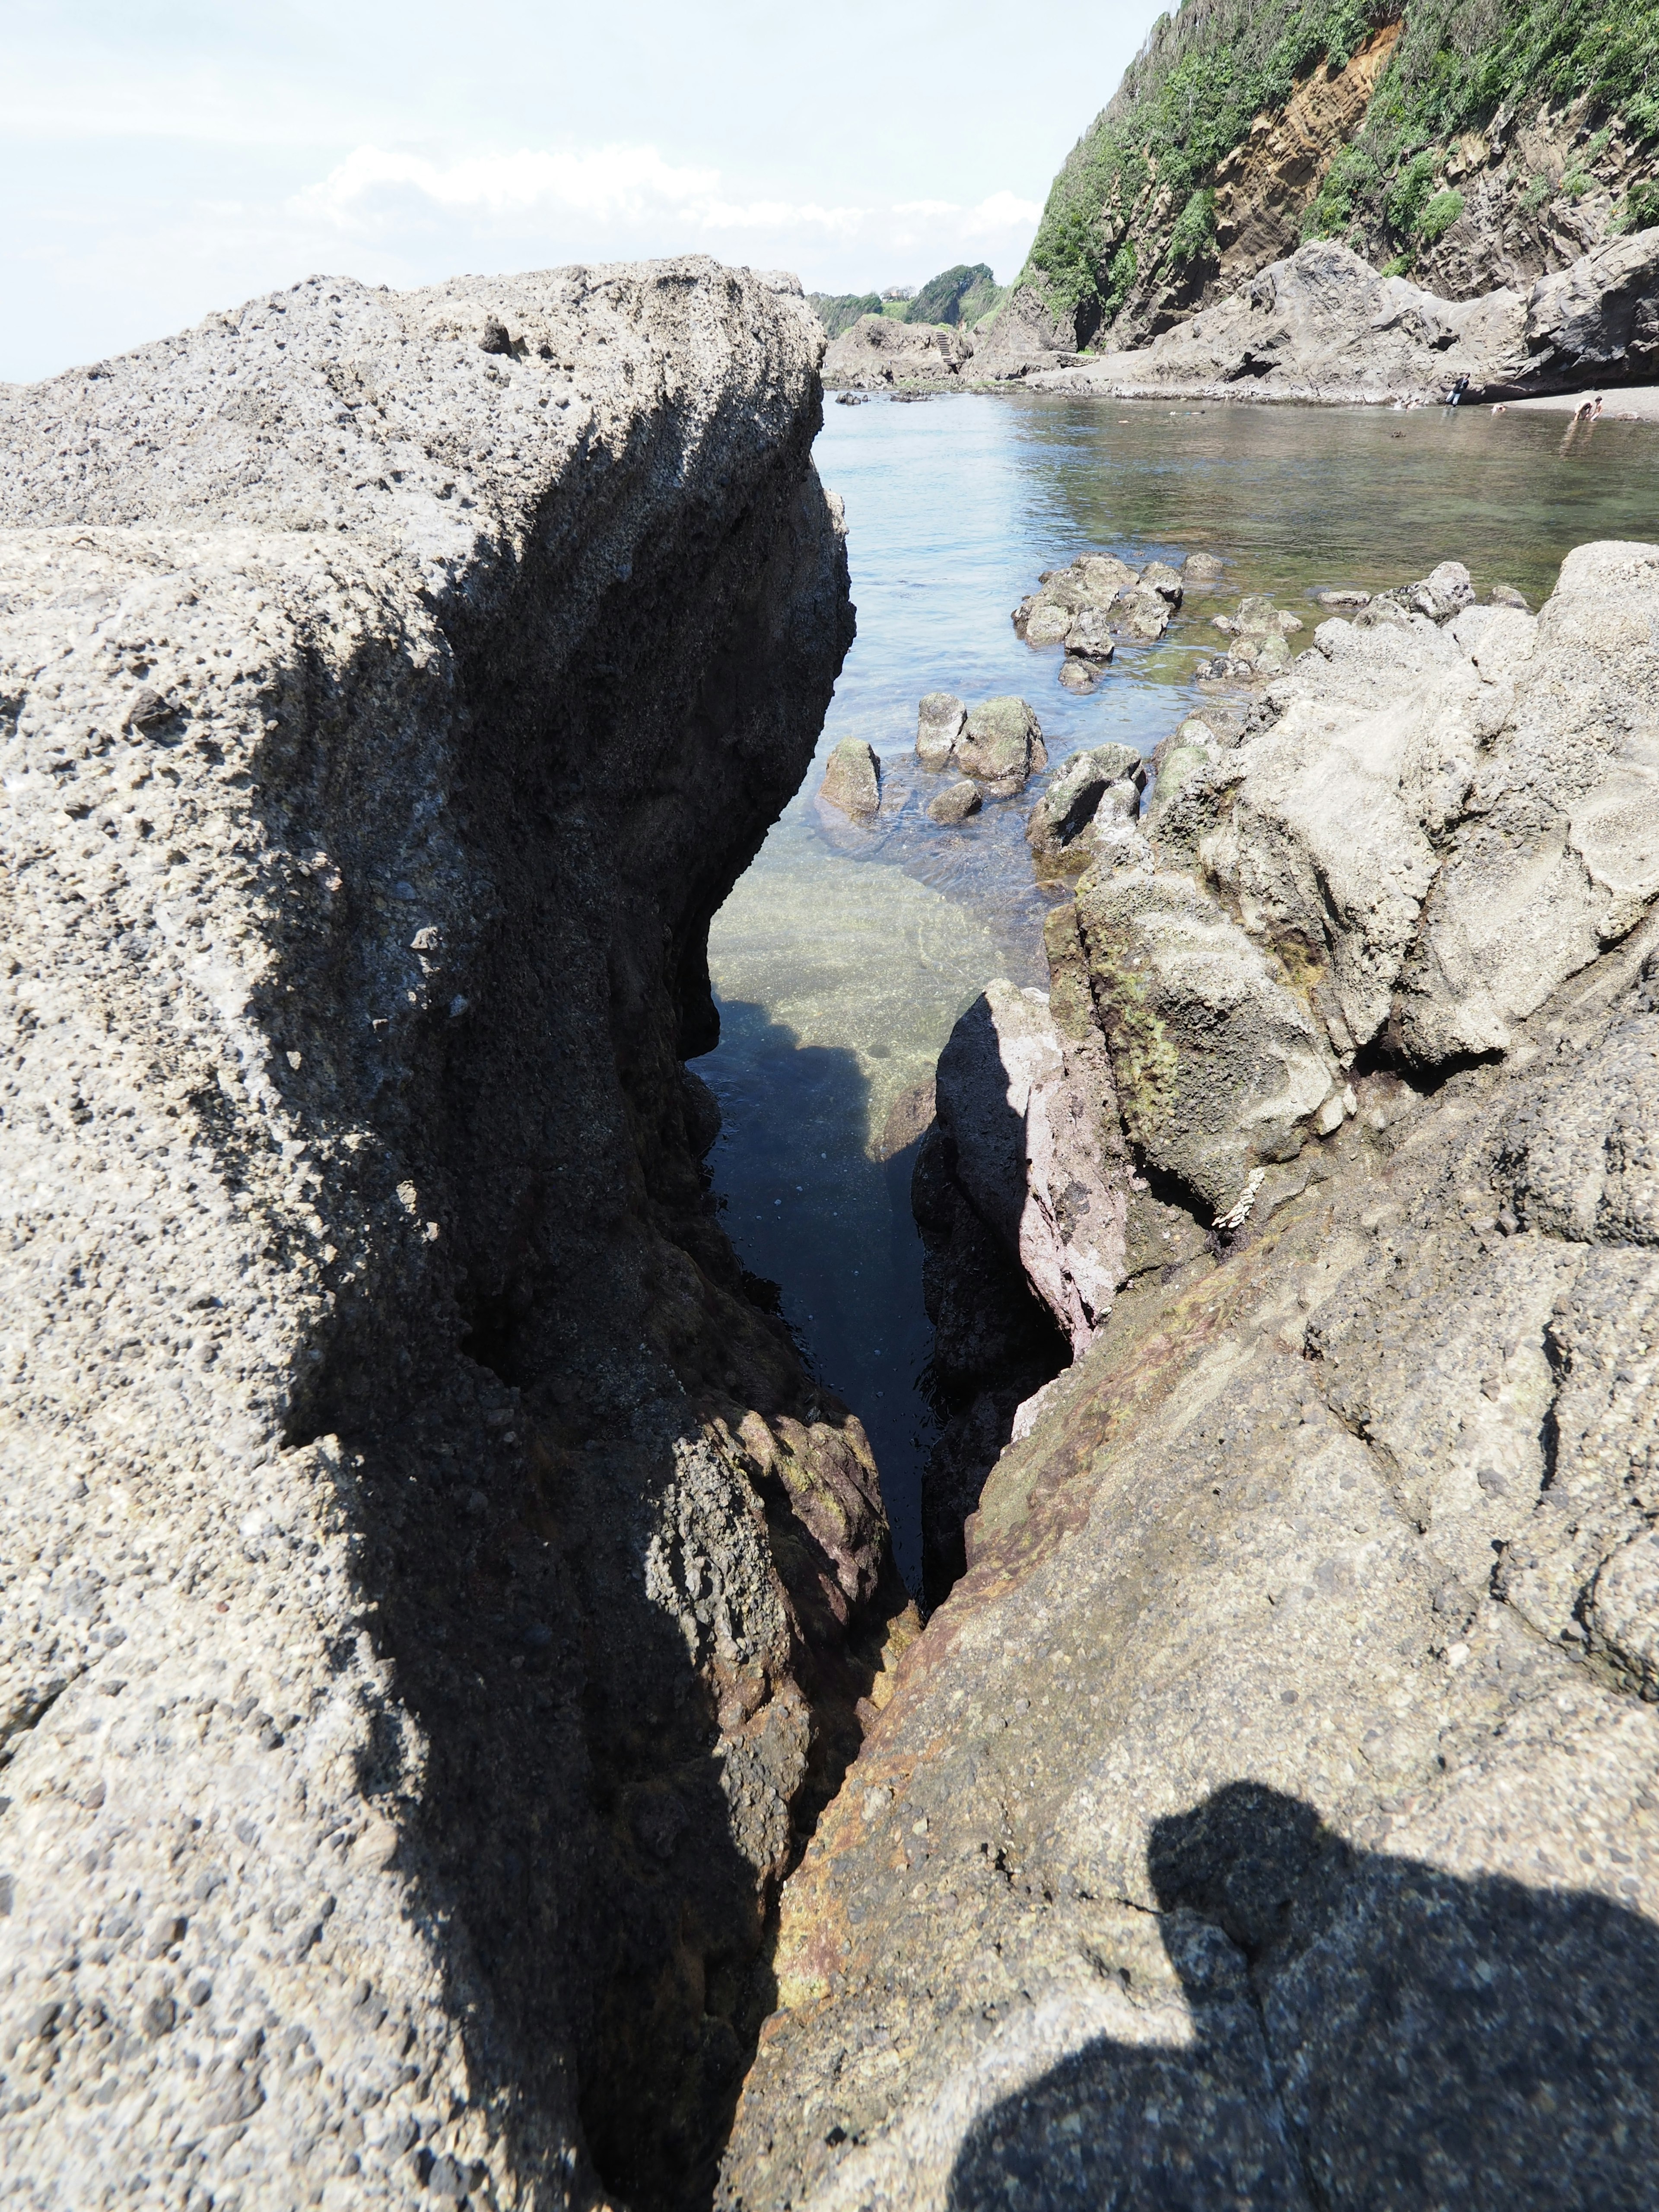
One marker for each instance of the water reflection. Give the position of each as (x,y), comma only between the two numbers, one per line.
(864,944)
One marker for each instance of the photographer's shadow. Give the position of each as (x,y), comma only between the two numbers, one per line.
(1368,2032)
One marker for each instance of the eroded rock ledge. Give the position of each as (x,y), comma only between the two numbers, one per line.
(1271,1815)
(437,1599)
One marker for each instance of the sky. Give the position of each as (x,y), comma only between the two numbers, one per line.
(163,161)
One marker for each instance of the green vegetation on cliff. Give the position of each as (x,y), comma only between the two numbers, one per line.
(839,311)
(961,295)
(1135,197)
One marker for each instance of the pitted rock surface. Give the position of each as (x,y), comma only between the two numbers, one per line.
(436,1597)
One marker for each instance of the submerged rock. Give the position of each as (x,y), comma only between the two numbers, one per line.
(955,802)
(852,777)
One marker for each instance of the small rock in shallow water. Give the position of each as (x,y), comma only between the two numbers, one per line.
(1089,637)
(1202,567)
(851,779)
(940,719)
(1506,595)
(1339,598)
(1001,746)
(955,802)
(1079,675)
(1160,577)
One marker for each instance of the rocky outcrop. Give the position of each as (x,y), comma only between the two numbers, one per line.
(1325,326)
(1267,1816)
(878,351)
(999,743)
(437,1597)
(1475,148)
(852,777)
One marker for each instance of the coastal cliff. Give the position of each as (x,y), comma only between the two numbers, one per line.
(1270,1815)
(1469,146)
(438,1598)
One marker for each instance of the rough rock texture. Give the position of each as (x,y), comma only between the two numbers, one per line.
(878,351)
(939,720)
(1001,746)
(1113,773)
(1323,325)
(955,802)
(436,1598)
(852,777)
(1271,1815)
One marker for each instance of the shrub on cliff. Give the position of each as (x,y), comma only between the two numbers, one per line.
(839,311)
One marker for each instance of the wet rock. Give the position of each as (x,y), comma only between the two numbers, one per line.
(1001,746)
(939,720)
(955,802)
(1160,577)
(1203,568)
(852,777)
(1080,676)
(1506,595)
(1147,616)
(1342,600)
(1047,623)
(1090,637)
(1068,806)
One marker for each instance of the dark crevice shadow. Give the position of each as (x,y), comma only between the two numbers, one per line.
(810,1208)
(1369,2032)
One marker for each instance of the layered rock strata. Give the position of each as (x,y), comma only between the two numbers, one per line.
(1271,1815)
(1322,325)
(437,1597)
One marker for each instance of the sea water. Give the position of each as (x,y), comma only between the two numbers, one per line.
(846,953)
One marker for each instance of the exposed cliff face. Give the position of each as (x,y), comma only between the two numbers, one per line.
(1468,145)
(1268,1818)
(438,1598)
(1324,325)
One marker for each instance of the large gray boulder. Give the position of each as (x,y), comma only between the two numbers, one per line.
(403,1700)
(852,777)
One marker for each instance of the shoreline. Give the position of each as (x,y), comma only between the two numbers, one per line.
(1637,403)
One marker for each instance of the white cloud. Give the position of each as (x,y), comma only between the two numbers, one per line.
(609,181)
(629,186)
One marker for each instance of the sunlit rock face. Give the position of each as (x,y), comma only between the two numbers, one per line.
(1266,1816)
(439,1597)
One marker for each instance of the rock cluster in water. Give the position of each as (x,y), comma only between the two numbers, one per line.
(438,1597)
(1267,1817)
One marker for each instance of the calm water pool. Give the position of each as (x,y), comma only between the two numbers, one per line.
(844,955)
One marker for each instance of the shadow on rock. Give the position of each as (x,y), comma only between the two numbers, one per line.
(1367,2031)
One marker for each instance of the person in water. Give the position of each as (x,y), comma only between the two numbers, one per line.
(1454,397)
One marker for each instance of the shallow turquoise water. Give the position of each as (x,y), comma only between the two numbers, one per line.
(844,955)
